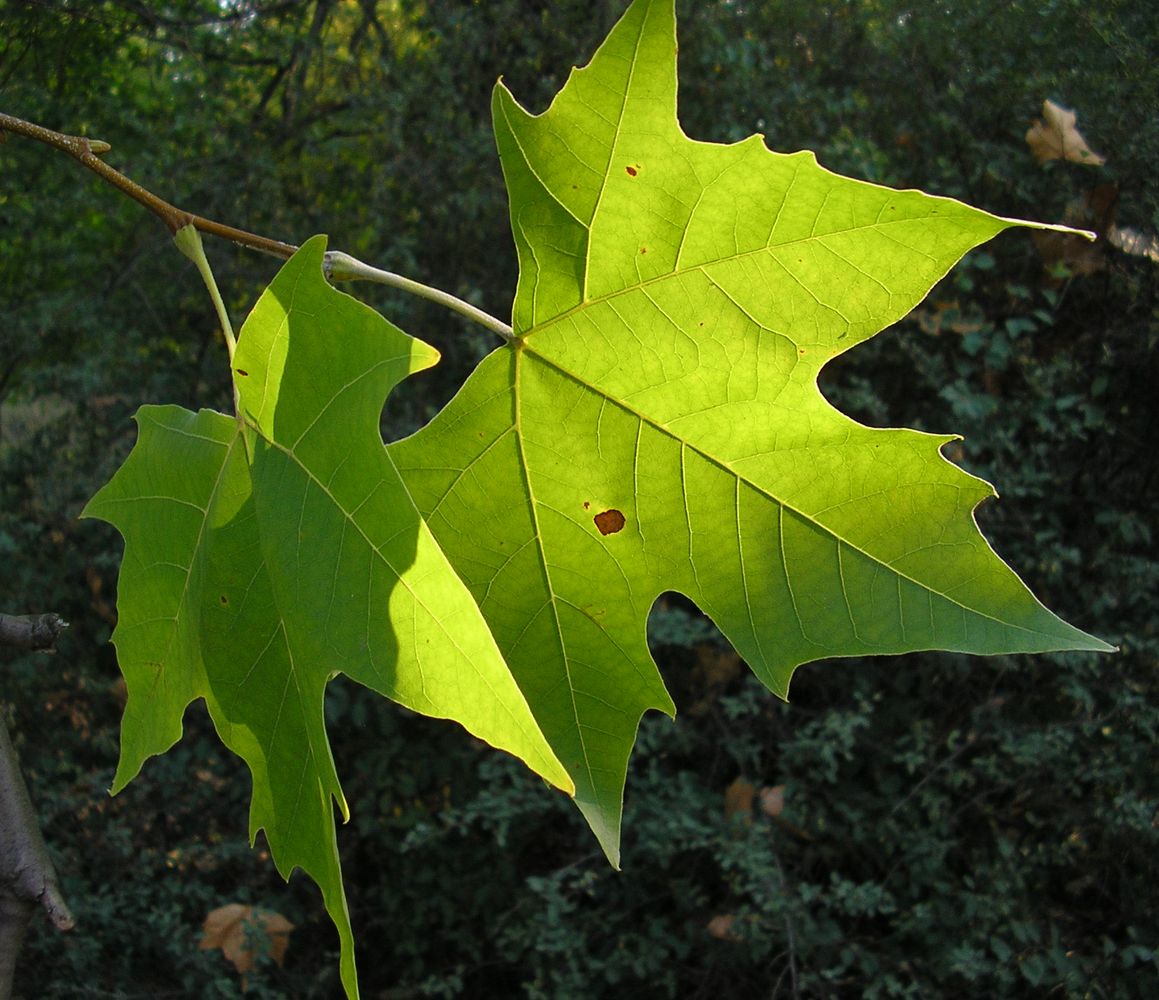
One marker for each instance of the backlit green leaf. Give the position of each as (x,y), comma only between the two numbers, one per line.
(655,424)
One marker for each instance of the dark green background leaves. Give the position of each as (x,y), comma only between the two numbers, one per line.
(1003,842)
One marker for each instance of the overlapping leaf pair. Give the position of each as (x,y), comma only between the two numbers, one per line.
(654,424)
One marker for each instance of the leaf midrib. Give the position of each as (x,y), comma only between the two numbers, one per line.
(540,548)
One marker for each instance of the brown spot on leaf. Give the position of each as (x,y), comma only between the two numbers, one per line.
(587,505)
(610,521)
(632,171)
(224,601)
(241,371)
(643,249)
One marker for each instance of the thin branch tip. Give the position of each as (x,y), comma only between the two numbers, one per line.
(338,266)
(57,909)
(36,632)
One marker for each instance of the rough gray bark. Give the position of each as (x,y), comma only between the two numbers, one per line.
(27,876)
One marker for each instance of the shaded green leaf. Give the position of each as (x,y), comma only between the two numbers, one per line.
(267,553)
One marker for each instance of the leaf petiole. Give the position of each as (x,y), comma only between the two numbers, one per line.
(339,266)
(342,267)
(188,241)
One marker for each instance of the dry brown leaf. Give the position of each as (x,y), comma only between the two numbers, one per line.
(1134,242)
(1054,137)
(738,798)
(715,668)
(718,666)
(215,781)
(945,315)
(120,691)
(772,800)
(1094,209)
(96,587)
(1078,255)
(245,933)
(720,927)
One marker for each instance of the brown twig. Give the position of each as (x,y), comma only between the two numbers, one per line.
(89,151)
(338,266)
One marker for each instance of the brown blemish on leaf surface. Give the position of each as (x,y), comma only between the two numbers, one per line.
(632,171)
(610,521)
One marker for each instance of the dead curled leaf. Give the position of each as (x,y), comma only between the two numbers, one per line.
(944,315)
(245,934)
(738,798)
(715,669)
(741,795)
(1133,242)
(772,800)
(1054,137)
(720,927)
(1094,209)
(1076,255)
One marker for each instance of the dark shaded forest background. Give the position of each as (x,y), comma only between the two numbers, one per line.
(951,826)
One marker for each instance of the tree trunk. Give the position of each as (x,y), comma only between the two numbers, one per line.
(27,877)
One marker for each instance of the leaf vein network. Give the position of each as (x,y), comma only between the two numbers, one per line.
(762,490)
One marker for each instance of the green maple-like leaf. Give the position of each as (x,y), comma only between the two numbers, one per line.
(655,423)
(265,554)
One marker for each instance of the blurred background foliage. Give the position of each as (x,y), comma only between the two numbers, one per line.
(922,826)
